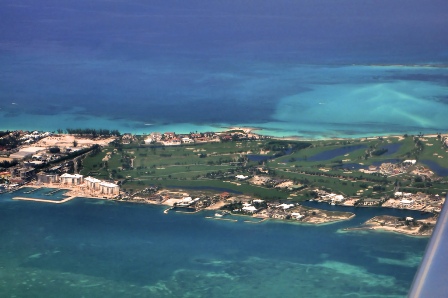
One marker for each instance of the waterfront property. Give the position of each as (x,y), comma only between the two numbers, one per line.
(108,188)
(92,184)
(71,180)
(47,178)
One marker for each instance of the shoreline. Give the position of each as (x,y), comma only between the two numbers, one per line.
(142,128)
(313,221)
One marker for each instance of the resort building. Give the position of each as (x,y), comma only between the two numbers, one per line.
(108,188)
(25,173)
(92,183)
(47,178)
(70,179)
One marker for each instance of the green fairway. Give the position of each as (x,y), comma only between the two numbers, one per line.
(333,165)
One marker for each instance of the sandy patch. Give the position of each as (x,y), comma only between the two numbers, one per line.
(171,202)
(216,206)
(67,141)
(284,184)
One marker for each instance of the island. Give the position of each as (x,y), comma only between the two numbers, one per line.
(236,172)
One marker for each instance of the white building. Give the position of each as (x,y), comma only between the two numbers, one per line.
(285,206)
(92,183)
(296,215)
(70,179)
(410,161)
(250,209)
(406,203)
(337,198)
(187,141)
(108,188)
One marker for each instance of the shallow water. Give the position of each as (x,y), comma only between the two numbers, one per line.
(97,248)
(310,101)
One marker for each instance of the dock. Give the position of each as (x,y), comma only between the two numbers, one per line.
(44,200)
(52,192)
(31,191)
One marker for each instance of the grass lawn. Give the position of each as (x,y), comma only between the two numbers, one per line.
(214,165)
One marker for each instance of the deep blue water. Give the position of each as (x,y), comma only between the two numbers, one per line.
(312,69)
(95,248)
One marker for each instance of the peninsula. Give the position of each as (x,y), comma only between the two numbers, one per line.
(237,172)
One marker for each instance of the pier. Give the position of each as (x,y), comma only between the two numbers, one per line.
(31,191)
(52,192)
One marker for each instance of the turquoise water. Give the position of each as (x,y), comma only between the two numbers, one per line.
(310,101)
(97,248)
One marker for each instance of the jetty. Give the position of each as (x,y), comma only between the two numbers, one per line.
(44,200)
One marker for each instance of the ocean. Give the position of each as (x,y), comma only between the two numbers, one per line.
(311,69)
(97,248)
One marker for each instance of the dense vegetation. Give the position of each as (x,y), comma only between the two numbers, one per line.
(92,132)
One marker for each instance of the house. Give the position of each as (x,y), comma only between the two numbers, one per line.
(5,175)
(285,206)
(187,141)
(371,202)
(169,135)
(224,195)
(337,199)
(250,209)
(296,215)
(406,203)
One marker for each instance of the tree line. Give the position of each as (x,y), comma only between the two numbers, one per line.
(92,132)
